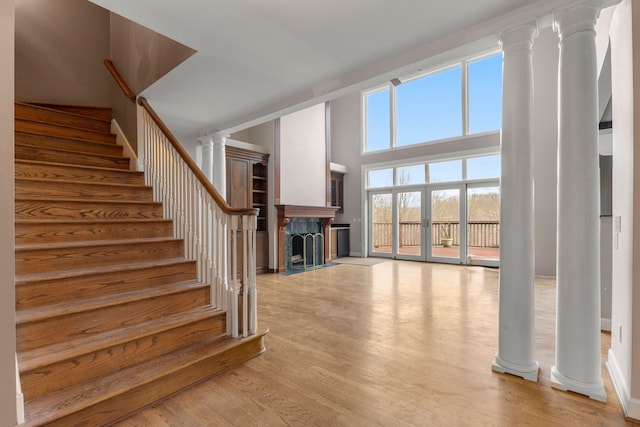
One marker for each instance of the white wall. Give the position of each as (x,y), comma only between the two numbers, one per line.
(626,161)
(545,143)
(8,414)
(345,149)
(303,158)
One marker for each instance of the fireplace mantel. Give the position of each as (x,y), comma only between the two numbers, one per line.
(286,212)
(295,211)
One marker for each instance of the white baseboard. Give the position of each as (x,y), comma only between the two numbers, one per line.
(630,406)
(605,325)
(634,409)
(20,407)
(127,150)
(19,396)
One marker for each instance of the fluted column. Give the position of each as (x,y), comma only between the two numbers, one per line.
(516,334)
(219,178)
(577,364)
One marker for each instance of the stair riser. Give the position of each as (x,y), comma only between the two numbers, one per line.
(57,329)
(56,376)
(66,173)
(91,285)
(84,191)
(28,112)
(65,210)
(80,231)
(63,132)
(26,152)
(76,145)
(70,258)
(117,407)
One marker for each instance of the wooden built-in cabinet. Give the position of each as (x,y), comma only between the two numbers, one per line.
(337,191)
(247,186)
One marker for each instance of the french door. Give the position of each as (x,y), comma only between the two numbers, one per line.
(456,224)
(446,229)
(396,224)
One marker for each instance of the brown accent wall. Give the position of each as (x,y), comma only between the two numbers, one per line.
(8,416)
(142,56)
(59,49)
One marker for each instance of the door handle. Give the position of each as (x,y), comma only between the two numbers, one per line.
(425,223)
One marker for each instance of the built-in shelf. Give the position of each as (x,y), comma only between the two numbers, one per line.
(247,186)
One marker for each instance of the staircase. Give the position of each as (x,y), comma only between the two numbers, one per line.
(110,316)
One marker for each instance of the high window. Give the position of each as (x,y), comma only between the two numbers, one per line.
(462,99)
(469,169)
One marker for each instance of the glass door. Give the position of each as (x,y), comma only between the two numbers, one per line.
(409,224)
(483,224)
(381,224)
(445,233)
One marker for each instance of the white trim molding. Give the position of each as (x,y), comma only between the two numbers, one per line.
(127,150)
(630,406)
(19,396)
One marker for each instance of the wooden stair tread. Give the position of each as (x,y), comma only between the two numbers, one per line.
(80,305)
(48,107)
(97,112)
(45,355)
(91,243)
(63,138)
(53,275)
(92,221)
(85,183)
(76,200)
(67,401)
(61,126)
(72,166)
(63,152)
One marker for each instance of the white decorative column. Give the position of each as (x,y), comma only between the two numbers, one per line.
(219,178)
(516,334)
(214,160)
(207,156)
(578,365)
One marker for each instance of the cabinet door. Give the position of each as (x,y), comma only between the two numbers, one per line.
(238,175)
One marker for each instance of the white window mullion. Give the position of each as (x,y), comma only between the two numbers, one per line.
(465,97)
(392,118)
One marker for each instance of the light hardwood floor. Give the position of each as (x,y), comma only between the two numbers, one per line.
(395,344)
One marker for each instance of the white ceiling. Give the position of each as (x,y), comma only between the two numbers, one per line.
(258,59)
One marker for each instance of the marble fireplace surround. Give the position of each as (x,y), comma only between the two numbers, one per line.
(325,214)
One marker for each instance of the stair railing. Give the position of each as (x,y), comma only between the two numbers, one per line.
(222,239)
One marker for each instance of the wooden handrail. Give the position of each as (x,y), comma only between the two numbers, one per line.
(192,165)
(118,78)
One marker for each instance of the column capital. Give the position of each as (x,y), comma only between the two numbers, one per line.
(574,19)
(519,37)
(219,138)
(206,140)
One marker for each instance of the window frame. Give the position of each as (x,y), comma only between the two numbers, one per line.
(464,77)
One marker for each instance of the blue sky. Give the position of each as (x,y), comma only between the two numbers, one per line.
(430,108)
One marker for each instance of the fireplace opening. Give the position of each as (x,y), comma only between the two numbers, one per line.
(307,251)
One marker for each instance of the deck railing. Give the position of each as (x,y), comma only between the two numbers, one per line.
(221,239)
(485,234)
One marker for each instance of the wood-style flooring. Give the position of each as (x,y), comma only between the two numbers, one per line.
(393,344)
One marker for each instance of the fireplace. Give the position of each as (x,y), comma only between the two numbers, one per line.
(304,237)
(304,245)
